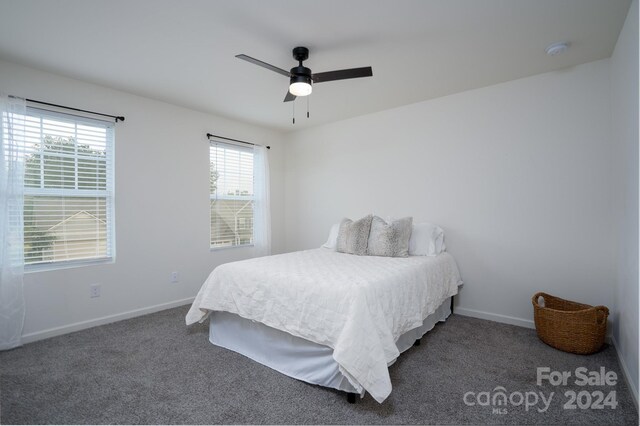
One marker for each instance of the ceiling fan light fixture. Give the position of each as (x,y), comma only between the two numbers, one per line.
(300,85)
(300,89)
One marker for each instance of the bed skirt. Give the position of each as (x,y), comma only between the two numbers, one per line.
(296,357)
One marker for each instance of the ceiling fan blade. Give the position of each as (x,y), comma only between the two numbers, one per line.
(342,74)
(290,97)
(264,65)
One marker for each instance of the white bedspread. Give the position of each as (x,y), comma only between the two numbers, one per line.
(357,305)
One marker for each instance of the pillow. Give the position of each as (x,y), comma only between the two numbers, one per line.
(353,237)
(332,241)
(426,239)
(389,239)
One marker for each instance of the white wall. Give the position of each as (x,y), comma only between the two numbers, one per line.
(162,207)
(624,103)
(518,174)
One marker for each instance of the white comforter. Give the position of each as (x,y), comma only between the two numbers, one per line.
(357,305)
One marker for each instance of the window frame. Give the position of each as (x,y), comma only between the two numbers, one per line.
(108,193)
(225,197)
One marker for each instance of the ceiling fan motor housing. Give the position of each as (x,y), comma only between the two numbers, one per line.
(300,75)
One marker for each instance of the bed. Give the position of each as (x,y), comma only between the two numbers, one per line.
(328,318)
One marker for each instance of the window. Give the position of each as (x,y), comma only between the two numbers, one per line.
(68,198)
(231,194)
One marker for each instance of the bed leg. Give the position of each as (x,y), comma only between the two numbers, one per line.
(351,398)
(452,304)
(417,342)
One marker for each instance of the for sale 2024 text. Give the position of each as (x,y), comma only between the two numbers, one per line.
(583,377)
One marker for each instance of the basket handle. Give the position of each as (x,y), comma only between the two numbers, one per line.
(536,297)
(602,312)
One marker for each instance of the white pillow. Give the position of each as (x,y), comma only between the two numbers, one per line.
(426,239)
(332,241)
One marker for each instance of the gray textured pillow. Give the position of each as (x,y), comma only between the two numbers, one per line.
(390,239)
(354,236)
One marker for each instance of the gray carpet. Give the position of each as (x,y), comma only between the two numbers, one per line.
(154,370)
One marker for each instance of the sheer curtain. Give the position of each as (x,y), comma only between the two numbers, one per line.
(261,203)
(11,222)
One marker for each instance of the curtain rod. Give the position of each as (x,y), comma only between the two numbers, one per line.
(209,135)
(116,117)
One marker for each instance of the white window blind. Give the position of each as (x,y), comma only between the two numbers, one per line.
(68,201)
(231,194)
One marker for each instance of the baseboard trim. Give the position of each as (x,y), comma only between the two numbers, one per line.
(82,325)
(625,372)
(521,322)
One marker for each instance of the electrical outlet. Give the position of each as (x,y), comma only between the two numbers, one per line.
(175,277)
(94,290)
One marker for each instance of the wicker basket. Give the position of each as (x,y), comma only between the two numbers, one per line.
(570,326)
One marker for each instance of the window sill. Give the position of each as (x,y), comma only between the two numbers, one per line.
(212,249)
(67,264)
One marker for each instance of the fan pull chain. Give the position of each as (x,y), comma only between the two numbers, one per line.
(294,111)
(308,106)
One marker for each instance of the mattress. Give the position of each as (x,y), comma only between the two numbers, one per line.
(357,305)
(294,356)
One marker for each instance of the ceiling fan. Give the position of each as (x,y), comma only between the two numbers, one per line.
(301,77)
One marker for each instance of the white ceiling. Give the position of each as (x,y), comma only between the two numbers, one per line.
(182,52)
